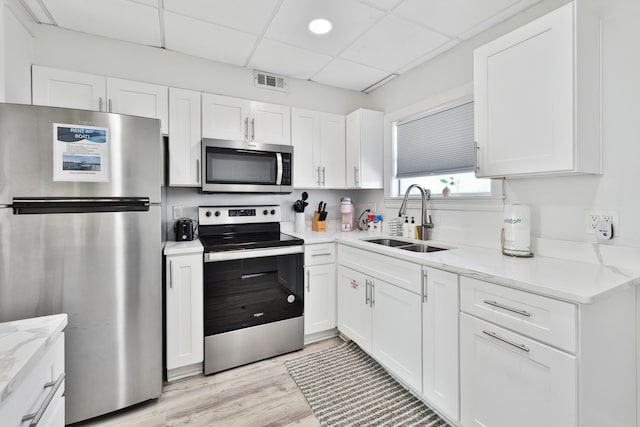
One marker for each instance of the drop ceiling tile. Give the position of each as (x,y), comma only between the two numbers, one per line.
(206,40)
(385,5)
(350,19)
(451,17)
(153,3)
(279,58)
(497,18)
(392,44)
(116,19)
(349,75)
(250,16)
(448,45)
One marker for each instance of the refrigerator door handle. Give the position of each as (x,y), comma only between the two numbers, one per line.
(45,205)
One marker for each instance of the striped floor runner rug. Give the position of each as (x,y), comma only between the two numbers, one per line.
(346,387)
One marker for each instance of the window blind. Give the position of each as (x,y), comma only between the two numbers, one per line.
(437,143)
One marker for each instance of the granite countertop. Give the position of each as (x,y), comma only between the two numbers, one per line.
(22,344)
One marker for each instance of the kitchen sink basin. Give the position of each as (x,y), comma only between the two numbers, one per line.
(399,244)
(389,242)
(422,248)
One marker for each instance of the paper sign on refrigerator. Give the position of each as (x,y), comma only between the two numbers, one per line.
(80,153)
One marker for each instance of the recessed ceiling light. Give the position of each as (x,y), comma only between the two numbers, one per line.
(320,26)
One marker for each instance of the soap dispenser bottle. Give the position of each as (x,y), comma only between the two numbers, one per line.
(405,227)
(412,229)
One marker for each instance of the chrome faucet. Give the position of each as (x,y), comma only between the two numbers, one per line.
(426,219)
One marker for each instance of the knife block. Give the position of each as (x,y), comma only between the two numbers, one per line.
(316,224)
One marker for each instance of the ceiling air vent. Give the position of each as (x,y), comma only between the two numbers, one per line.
(269,81)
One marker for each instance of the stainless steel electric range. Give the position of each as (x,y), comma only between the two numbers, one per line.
(253,286)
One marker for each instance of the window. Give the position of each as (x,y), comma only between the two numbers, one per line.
(436,150)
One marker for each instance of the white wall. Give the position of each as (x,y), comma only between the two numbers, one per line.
(557,203)
(18,53)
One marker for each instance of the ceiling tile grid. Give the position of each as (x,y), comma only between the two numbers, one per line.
(370,40)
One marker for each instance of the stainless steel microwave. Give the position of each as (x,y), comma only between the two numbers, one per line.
(245,166)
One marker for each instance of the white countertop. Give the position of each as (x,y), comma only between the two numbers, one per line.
(22,344)
(183,248)
(572,281)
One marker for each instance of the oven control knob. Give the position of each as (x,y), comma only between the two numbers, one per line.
(273,211)
(217,213)
(264,212)
(291,298)
(208,213)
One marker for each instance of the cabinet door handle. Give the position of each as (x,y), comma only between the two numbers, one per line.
(475,155)
(367,300)
(356,177)
(100,103)
(506,341)
(170,274)
(318,170)
(504,307)
(324,175)
(373,293)
(198,171)
(36,416)
(246,128)
(308,281)
(253,129)
(110,105)
(424,287)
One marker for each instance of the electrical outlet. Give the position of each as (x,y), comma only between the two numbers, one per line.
(593,217)
(177,212)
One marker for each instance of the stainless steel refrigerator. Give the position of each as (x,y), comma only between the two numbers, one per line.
(80,234)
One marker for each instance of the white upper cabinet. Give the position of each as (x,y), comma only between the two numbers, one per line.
(139,99)
(364,154)
(70,89)
(225,117)
(184,138)
(319,149)
(537,97)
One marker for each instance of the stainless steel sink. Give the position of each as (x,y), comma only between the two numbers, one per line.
(407,246)
(389,242)
(422,248)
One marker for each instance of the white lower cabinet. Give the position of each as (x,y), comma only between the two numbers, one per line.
(396,331)
(440,313)
(320,289)
(384,320)
(509,380)
(184,315)
(40,392)
(354,309)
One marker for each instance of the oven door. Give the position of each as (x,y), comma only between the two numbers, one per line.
(252,287)
(238,166)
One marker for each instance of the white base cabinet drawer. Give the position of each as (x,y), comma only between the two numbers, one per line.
(320,253)
(508,380)
(550,321)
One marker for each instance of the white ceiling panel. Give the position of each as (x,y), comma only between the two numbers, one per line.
(497,18)
(116,19)
(251,16)
(153,3)
(349,75)
(292,61)
(206,40)
(385,5)
(451,17)
(392,44)
(350,19)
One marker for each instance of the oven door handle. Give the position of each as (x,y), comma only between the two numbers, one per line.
(252,253)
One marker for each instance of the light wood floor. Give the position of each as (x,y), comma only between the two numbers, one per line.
(259,394)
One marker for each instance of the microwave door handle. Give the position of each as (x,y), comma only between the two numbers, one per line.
(279,173)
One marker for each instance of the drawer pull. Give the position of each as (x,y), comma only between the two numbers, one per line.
(506,341)
(322,254)
(36,416)
(504,307)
